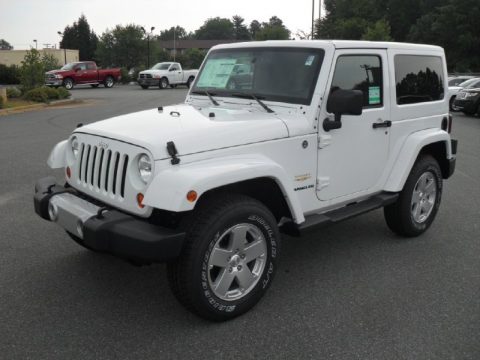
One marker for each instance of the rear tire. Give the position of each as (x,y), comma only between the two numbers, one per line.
(109,82)
(418,203)
(229,257)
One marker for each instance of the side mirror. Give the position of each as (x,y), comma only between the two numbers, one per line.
(343,102)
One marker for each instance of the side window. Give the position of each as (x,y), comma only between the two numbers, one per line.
(418,79)
(360,72)
(82,66)
(174,68)
(90,66)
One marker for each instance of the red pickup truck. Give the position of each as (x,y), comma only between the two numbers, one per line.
(82,73)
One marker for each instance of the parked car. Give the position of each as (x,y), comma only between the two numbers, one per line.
(82,73)
(457,80)
(166,74)
(468,98)
(319,136)
(454,90)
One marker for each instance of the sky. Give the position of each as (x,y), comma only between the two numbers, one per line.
(21,21)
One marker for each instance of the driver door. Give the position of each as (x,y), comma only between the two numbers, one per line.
(351,160)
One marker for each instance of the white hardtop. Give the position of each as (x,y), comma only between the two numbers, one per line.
(337,44)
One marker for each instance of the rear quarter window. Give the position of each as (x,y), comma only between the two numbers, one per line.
(418,79)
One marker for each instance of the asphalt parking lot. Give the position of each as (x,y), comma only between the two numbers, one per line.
(350,291)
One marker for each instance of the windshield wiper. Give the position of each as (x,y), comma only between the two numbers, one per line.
(205,92)
(254,97)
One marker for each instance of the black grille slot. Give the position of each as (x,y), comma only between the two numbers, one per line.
(94,158)
(124,175)
(102,153)
(115,170)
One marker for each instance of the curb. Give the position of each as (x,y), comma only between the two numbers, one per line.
(33,107)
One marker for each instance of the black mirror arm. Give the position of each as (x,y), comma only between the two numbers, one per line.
(332,125)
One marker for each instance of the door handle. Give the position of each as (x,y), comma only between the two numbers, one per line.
(383,124)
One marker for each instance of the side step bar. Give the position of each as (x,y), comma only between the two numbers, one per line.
(348,211)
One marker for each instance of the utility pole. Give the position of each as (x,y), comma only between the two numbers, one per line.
(313,11)
(174,46)
(148,43)
(64,50)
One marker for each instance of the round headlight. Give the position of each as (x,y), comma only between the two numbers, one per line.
(75,146)
(145,167)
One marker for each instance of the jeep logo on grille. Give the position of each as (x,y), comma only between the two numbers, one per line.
(103,145)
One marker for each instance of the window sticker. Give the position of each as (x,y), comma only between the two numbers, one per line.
(216,73)
(310,60)
(374,95)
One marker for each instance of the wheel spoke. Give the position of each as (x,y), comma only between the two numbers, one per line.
(254,250)
(416,212)
(429,187)
(224,280)
(219,257)
(415,197)
(245,278)
(239,237)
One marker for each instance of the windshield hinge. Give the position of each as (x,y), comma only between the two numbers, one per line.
(172,151)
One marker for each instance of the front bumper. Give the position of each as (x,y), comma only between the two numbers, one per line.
(105,230)
(53,82)
(148,82)
(469,106)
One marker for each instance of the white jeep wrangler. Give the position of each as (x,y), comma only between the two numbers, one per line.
(306,134)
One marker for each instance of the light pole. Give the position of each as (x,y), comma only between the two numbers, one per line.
(313,10)
(148,43)
(36,44)
(64,50)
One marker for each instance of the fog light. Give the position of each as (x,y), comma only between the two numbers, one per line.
(80,228)
(52,212)
(140,200)
(192,195)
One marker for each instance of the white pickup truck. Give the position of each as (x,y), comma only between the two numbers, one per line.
(274,136)
(166,74)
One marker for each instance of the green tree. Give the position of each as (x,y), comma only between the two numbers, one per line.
(379,31)
(167,34)
(124,46)
(193,59)
(49,62)
(32,71)
(5,45)
(273,30)
(80,36)
(240,31)
(254,28)
(216,29)
(462,48)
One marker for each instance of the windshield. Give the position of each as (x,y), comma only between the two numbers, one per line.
(68,66)
(161,66)
(275,74)
(471,84)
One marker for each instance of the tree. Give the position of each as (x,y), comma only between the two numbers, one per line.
(273,30)
(216,29)
(32,71)
(254,28)
(79,36)
(5,45)
(240,31)
(49,62)
(167,34)
(124,46)
(379,31)
(462,49)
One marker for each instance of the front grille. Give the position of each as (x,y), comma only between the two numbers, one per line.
(49,76)
(145,76)
(102,169)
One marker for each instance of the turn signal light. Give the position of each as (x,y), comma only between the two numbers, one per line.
(69,172)
(192,195)
(140,200)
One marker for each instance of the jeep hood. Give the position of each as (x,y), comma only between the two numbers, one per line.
(192,129)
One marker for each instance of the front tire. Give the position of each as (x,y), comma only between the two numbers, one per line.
(229,257)
(68,83)
(190,81)
(144,87)
(163,84)
(418,203)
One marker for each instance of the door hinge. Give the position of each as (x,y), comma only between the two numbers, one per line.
(324,140)
(322,183)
